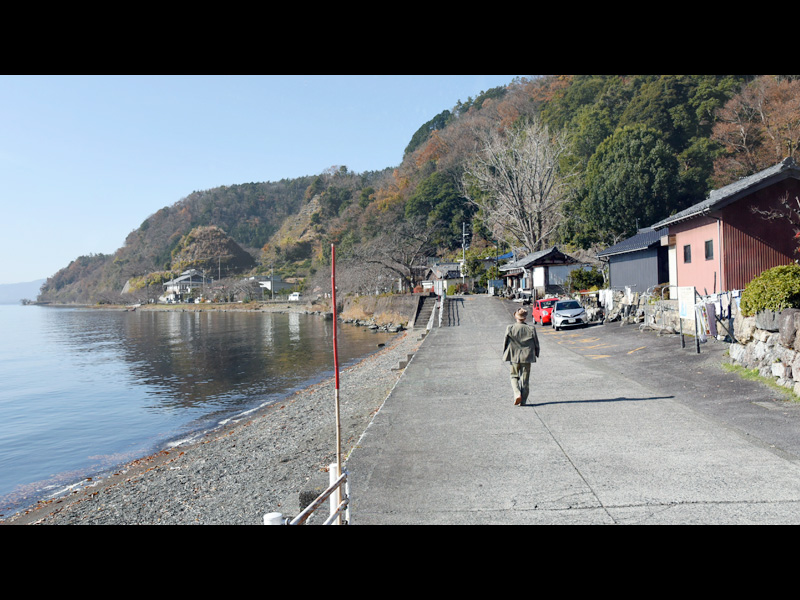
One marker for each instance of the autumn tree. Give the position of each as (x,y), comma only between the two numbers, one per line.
(517,182)
(758,128)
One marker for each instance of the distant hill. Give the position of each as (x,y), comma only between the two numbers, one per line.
(641,146)
(12,293)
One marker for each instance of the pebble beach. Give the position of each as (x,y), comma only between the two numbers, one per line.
(272,460)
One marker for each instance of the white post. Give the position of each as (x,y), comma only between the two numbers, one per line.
(274,518)
(336,496)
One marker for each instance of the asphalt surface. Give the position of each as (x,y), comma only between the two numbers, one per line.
(623,427)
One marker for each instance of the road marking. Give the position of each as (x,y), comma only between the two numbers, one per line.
(597,356)
(637,349)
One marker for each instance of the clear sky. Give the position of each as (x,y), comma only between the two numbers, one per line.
(85,159)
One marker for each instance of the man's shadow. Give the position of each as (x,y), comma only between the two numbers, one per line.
(620,399)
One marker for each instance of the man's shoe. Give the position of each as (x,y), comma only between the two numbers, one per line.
(518,401)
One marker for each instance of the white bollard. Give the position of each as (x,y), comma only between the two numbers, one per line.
(274,518)
(336,496)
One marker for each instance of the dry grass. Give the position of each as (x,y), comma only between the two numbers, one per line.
(356,313)
(391,317)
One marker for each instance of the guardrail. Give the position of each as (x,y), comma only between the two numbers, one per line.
(339,504)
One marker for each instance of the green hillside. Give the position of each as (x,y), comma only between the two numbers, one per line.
(591,158)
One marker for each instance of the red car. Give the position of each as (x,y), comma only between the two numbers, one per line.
(541,310)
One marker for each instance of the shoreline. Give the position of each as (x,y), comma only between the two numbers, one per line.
(272,460)
(263,306)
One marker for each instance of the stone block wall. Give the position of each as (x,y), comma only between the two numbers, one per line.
(770,343)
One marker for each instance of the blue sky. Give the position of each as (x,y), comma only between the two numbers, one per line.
(85,159)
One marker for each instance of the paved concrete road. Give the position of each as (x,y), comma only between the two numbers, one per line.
(624,427)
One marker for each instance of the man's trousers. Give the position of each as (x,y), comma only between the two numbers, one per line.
(520,380)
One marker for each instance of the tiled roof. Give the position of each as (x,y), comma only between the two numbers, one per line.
(643,239)
(538,258)
(734,191)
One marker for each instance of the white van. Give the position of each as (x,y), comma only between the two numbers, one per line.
(295,297)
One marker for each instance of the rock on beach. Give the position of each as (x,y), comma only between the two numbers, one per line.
(275,460)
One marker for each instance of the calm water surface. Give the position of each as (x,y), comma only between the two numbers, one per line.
(85,390)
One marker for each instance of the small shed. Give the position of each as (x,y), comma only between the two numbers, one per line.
(441,275)
(640,262)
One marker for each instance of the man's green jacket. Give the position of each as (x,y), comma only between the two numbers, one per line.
(521,344)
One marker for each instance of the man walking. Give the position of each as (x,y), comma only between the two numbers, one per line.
(520,348)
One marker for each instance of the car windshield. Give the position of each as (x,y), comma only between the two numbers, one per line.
(570,304)
(547,303)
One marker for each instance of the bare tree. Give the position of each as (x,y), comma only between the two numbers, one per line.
(398,251)
(517,181)
(788,212)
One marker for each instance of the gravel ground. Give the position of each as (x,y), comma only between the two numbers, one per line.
(274,461)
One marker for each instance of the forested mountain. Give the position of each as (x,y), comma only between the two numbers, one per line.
(585,160)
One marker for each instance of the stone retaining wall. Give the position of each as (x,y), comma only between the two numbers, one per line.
(770,343)
(391,310)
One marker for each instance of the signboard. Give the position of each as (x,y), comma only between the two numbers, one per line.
(686,302)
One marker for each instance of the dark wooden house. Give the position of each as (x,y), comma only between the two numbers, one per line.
(723,242)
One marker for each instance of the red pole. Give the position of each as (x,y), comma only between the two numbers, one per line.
(336,367)
(333,301)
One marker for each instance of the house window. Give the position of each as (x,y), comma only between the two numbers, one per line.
(709,249)
(687,253)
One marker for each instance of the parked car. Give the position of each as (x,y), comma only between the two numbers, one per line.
(541,310)
(568,313)
(295,297)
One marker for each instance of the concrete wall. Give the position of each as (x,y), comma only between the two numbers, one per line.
(382,309)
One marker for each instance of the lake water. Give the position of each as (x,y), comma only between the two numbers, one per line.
(83,391)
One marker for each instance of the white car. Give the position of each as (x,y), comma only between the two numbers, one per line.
(568,313)
(295,296)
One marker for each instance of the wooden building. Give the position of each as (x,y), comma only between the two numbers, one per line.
(723,242)
(539,273)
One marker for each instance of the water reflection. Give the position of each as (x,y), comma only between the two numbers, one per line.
(85,390)
(214,359)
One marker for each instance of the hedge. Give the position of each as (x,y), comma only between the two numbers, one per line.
(775,289)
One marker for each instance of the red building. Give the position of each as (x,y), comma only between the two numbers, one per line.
(723,242)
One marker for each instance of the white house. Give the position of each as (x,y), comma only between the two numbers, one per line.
(270,284)
(543,272)
(180,288)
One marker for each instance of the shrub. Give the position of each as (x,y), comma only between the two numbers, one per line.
(584,279)
(775,289)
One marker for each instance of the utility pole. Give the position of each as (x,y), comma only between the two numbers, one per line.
(463,251)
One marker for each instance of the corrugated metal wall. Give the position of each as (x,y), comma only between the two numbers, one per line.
(751,243)
(747,257)
(639,270)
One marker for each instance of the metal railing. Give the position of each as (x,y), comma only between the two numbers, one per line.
(339,504)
